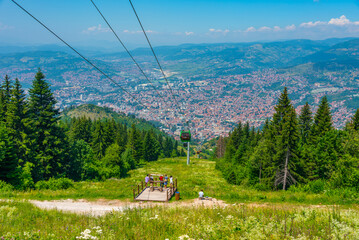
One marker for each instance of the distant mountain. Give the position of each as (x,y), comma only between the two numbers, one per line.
(95,112)
(344,55)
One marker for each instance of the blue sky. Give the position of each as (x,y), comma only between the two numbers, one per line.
(174,22)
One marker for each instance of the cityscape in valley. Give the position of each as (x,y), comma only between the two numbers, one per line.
(215,85)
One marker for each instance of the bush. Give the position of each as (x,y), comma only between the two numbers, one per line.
(317,186)
(5,187)
(26,179)
(54,184)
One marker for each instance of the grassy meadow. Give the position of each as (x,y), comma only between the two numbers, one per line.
(201,174)
(249,214)
(20,220)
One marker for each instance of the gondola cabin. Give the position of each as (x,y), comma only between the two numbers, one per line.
(185,136)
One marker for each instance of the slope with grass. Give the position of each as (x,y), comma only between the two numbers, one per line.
(271,215)
(201,174)
(23,221)
(94,112)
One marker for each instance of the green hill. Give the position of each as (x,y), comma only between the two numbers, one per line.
(95,112)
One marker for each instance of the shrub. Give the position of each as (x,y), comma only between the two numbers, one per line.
(26,179)
(5,187)
(317,186)
(54,184)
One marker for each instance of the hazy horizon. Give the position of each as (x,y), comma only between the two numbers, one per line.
(178,22)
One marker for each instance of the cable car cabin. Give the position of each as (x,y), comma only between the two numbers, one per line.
(185,136)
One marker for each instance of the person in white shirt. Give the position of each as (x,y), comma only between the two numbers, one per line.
(171,181)
(201,195)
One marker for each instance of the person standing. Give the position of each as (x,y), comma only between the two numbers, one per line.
(166,181)
(161,182)
(147,179)
(151,183)
(171,181)
(201,195)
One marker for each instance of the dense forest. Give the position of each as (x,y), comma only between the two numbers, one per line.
(37,145)
(292,151)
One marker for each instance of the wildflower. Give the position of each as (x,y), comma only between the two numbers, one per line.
(86,235)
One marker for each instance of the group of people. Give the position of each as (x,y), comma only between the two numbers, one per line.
(163,180)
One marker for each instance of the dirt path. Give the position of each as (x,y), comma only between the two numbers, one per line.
(102,206)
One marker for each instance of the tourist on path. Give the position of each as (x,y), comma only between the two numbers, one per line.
(166,181)
(147,179)
(201,195)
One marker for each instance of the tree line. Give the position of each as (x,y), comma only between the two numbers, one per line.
(292,149)
(36,145)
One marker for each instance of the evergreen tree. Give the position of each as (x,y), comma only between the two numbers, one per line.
(285,132)
(99,140)
(220,147)
(355,120)
(47,141)
(5,95)
(305,123)
(8,159)
(150,147)
(81,129)
(286,149)
(16,116)
(322,120)
(135,143)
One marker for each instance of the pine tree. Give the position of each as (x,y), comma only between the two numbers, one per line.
(16,116)
(8,159)
(81,129)
(286,148)
(135,143)
(47,140)
(285,132)
(150,151)
(305,123)
(99,140)
(355,120)
(220,147)
(16,110)
(5,95)
(322,120)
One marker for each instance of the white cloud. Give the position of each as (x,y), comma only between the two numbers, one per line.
(189,33)
(290,27)
(219,30)
(276,28)
(263,29)
(251,29)
(341,22)
(96,29)
(138,32)
(5,27)
(312,24)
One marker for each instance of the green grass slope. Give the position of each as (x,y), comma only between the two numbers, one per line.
(95,112)
(201,174)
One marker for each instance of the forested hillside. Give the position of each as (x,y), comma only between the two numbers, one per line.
(94,112)
(37,145)
(302,152)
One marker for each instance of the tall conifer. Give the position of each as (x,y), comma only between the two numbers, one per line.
(322,120)
(305,123)
(355,120)
(48,143)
